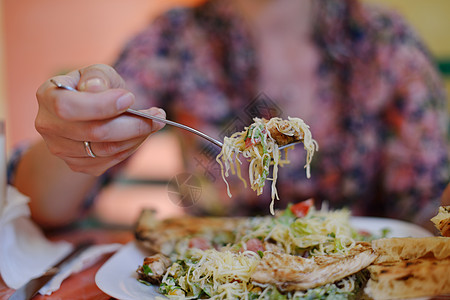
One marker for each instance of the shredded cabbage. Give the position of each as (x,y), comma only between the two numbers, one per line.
(225,272)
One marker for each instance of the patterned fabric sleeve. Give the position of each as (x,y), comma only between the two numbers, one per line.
(394,106)
(149,62)
(13,161)
(415,157)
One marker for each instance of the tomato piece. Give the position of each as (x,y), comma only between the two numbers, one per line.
(301,209)
(199,243)
(255,245)
(364,233)
(248,142)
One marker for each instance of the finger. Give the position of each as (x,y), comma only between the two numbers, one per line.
(83,106)
(124,127)
(63,147)
(98,78)
(98,165)
(110,149)
(157,112)
(70,80)
(95,78)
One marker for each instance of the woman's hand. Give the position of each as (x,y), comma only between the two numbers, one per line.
(66,119)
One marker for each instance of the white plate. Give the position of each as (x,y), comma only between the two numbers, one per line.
(396,228)
(118,278)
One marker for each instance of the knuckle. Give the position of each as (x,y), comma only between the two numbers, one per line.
(105,71)
(42,126)
(103,67)
(61,109)
(97,133)
(144,128)
(97,173)
(40,93)
(99,108)
(56,151)
(78,168)
(120,156)
(43,92)
(140,128)
(111,148)
(75,167)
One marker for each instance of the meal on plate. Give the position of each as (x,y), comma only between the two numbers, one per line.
(301,253)
(259,144)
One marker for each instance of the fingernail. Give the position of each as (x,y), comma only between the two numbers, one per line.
(124,101)
(92,84)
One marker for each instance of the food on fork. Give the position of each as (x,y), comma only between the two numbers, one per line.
(259,143)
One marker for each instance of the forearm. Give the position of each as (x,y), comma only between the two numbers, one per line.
(445,199)
(56,192)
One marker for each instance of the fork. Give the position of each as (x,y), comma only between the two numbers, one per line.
(169,122)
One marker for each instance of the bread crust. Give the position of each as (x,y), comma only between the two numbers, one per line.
(409,267)
(395,249)
(421,277)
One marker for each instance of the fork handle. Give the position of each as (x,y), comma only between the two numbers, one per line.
(145,115)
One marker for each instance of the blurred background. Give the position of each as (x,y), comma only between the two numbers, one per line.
(41,38)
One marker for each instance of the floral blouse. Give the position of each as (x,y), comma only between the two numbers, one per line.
(378,112)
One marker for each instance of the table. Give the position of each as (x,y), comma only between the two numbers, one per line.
(81,285)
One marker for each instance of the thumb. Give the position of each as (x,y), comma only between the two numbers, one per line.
(98,78)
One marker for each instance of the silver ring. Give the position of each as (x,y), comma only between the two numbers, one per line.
(87,147)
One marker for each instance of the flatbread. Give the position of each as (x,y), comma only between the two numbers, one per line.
(409,268)
(423,277)
(442,220)
(396,249)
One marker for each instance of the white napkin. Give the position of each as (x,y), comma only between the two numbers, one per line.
(83,261)
(25,252)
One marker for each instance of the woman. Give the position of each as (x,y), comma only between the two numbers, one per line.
(359,77)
